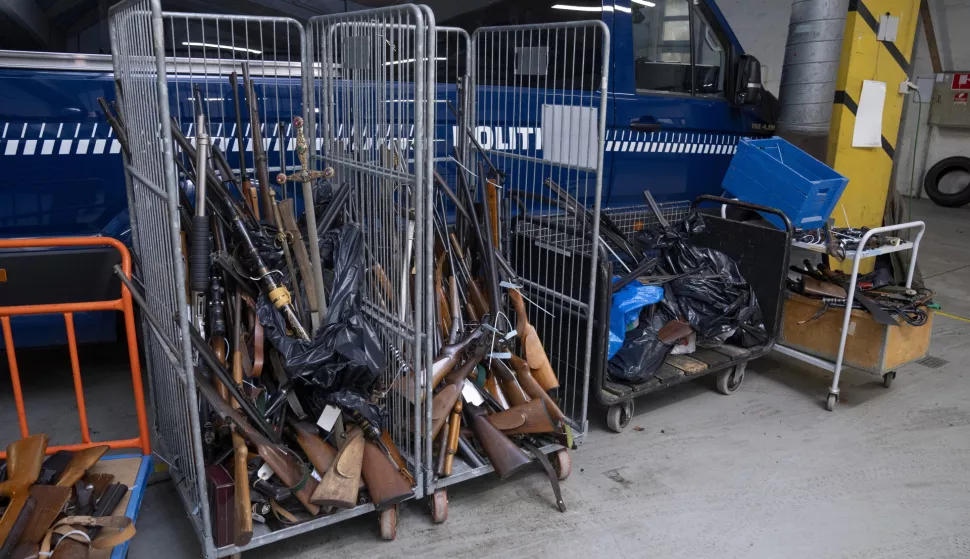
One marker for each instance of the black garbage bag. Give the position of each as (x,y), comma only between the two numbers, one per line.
(348,401)
(641,356)
(344,354)
(716,300)
(322,196)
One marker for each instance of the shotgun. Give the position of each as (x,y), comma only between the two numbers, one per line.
(256,131)
(24,461)
(532,349)
(449,356)
(385,482)
(513,391)
(200,246)
(444,401)
(524,375)
(341,483)
(318,451)
(506,457)
(528,419)
(248,190)
(240,471)
(454,432)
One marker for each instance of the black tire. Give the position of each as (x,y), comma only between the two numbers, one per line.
(935,176)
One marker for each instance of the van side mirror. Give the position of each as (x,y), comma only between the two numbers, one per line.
(747,85)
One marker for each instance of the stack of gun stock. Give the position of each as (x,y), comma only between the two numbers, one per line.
(56,507)
(494,388)
(270,458)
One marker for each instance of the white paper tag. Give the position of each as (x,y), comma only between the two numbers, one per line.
(328,418)
(265,472)
(509,285)
(315,474)
(511,334)
(471,395)
(502,355)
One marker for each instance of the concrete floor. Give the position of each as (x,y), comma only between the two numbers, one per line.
(765,473)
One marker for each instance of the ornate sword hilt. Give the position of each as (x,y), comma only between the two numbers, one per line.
(303,152)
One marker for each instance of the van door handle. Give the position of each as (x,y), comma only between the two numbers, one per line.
(649,126)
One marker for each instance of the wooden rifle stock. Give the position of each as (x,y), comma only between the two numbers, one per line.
(532,388)
(396,455)
(240,470)
(444,400)
(341,482)
(79,464)
(449,355)
(385,483)
(292,473)
(528,419)
(454,432)
(534,353)
(24,461)
(514,392)
(259,151)
(320,453)
(444,313)
(506,456)
(476,299)
(50,501)
(493,388)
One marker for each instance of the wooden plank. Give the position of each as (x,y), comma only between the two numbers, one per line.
(650,384)
(667,373)
(616,388)
(930,32)
(689,365)
(733,351)
(711,357)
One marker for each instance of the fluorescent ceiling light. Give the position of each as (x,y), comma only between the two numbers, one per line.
(577,8)
(215,46)
(644,3)
(411,60)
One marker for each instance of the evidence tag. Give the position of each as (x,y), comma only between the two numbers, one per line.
(328,418)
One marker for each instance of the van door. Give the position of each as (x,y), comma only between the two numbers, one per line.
(675,131)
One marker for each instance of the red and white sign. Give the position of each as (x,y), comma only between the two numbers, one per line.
(961,81)
(960,98)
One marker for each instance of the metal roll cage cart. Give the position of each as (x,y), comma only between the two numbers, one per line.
(158,57)
(857,257)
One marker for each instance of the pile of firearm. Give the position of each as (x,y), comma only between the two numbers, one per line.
(57,506)
(293,425)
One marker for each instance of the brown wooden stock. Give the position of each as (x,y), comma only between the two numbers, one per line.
(493,388)
(674,331)
(444,312)
(290,472)
(444,400)
(514,392)
(454,431)
(240,470)
(288,215)
(397,456)
(320,453)
(449,355)
(491,198)
(79,464)
(532,348)
(386,485)
(50,501)
(531,386)
(814,287)
(24,461)
(528,419)
(506,457)
(477,299)
(341,482)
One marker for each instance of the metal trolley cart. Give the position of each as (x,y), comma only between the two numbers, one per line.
(761,253)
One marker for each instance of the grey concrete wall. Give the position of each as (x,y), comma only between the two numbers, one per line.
(951,19)
(762,28)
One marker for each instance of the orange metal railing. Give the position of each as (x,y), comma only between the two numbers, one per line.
(122,304)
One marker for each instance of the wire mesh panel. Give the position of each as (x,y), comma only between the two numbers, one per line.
(153,205)
(540,114)
(374,101)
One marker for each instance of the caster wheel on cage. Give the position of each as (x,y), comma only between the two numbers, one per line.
(562,463)
(388,521)
(439,506)
(831,401)
(729,380)
(888,378)
(619,415)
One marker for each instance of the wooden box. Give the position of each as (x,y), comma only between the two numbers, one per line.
(870,346)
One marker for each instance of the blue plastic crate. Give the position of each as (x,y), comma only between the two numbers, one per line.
(774,173)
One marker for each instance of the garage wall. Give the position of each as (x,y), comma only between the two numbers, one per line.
(951,18)
(762,28)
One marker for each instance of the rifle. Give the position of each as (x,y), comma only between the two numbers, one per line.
(259,151)
(385,482)
(444,313)
(444,401)
(340,484)
(506,457)
(240,470)
(79,464)
(201,245)
(513,391)
(24,461)
(527,419)
(532,349)
(318,451)
(248,190)
(451,447)
(524,375)
(449,355)
(493,388)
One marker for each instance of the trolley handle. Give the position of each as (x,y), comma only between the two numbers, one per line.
(744,205)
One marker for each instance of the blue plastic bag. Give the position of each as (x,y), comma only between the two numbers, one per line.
(626,307)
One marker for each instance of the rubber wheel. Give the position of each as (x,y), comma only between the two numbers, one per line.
(935,178)
(888,378)
(729,380)
(562,463)
(439,506)
(831,401)
(388,521)
(619,415)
